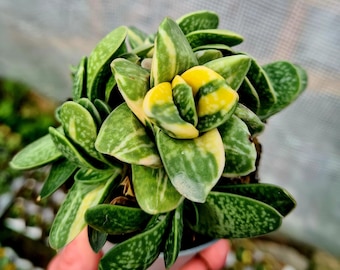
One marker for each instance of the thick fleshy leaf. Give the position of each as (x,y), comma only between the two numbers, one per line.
(36,154)
(287,83)
(226,215)
(204,56)
(254,123)
(225,49)
(96,238)
(216,101)
(133,83)
(103,108)
(79,126)
(248,95)
(193,166)
(136,37)
(239,150)
(109,90)
(70,221)
(125,138)
(116,219)
(172,53)
(184,100)
(198,20)
(172,245)
(153,190)
(79,80)
(260,81)
(91,108)
(232,68)
(272,195)
(60,172)
(70,152)
(98,64)
(90,176)
(160,109)
(213,36)
(140,251)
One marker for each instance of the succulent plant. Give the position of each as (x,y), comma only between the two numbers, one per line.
(158,139)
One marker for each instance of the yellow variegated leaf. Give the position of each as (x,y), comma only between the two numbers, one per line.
(160,108)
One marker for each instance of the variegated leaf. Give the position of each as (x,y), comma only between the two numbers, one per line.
(98,64)
(153,190)
(160,108)
(232,68)
(172,53)
(70,221)
(125,138)
(36,154)
(133,83)
(239,150)
(193,166)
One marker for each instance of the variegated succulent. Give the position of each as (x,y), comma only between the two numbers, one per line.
(158,129)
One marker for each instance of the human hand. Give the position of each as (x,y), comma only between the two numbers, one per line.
(78,255)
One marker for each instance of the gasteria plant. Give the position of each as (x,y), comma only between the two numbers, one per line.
(159,141)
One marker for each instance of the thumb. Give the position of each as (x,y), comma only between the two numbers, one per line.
(77,255)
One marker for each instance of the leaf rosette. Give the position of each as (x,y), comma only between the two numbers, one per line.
(158,127)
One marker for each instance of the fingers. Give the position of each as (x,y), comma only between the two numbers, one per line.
(77,255)
(212,258)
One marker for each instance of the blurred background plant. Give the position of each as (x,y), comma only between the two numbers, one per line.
(24,223)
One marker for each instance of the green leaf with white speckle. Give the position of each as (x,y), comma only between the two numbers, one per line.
(136,37)
(70,152)
(198,20)
(260,81)
(232,68)
(88,105)
(213,36)
(254,123)
(240,151)
(204,56)
(225,215)
(248,95)
(140,251)
(103,108)
(172,53)
(153,190)
(116,219)
(60,172)
(36,154)
(173,241)
(193,166)
(98,64)
(127,142)
(272,195)
(288,83)
(90,176)
(79,80)
(225,49)
(79,126)
(70,221)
